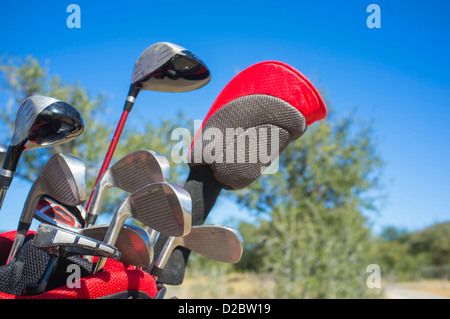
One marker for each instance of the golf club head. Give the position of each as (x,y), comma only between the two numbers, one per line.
(130,173)
(63,243)
(168,67)
(163,207)
(41,121)
(216,242)
(257,114)
(133,242)
(44,121)
(52,212)
(63,179)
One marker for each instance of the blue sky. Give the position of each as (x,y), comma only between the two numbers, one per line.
(397,75)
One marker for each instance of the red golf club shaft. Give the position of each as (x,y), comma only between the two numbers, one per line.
(110,152)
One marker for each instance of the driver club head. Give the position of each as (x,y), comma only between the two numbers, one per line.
(41,121)
(63,179)
(130,173)
(168,67)
(216,242)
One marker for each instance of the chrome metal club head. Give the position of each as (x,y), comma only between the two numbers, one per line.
(63,243)
(164,207)
(216,242)
(133,242)
(63,179)
(130,173)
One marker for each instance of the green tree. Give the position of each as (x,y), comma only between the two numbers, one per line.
(435,241)
(24,77)
(317,244)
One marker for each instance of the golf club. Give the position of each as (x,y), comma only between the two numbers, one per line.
(53,212)
(164,67)
(130,173)
(41,121)
(64,179)
(62,243)
(271,102)
(164,207)
(133,242)
(212,241)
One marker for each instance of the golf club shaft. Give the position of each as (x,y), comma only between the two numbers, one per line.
(109,154)
(132,94)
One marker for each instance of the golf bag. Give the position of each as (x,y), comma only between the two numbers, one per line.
(72,278)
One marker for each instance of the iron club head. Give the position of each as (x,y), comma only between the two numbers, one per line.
(164,207)
(212,241)
(130,173)
(64,179)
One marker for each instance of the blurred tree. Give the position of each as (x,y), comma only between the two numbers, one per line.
(317,244)
(24,77)
(435,241)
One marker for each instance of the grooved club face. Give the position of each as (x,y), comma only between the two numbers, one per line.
(130,173)
(164,207)
(216,242)
(63,179)
(168,67)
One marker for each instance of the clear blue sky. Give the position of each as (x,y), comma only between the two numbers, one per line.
(398,75)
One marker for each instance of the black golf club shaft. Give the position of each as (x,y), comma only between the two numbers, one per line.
(204,190)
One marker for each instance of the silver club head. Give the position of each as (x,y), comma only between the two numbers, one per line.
(63,179)
(216,242)
(63,243)
(133,242)
(130,173)
(164,207)
(168,67)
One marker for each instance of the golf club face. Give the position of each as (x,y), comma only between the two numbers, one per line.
(130,173)
(63,179)
(43,121)
(138,169)
(168,67)
(216,242)
(63,243)
(164,207)
(133,242)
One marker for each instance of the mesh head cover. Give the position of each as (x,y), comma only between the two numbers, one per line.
(254,118)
